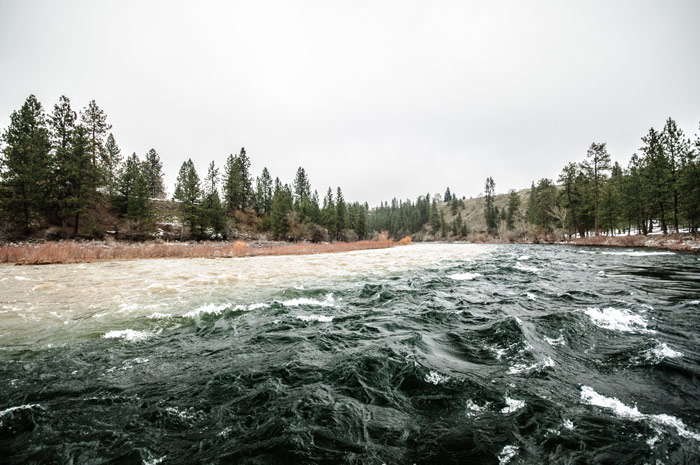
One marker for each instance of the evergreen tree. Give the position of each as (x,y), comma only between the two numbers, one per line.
(282,205)
(237,182)
(448,196)
(62,124)
(79,177)
(127,179)
(302,194)
(434,218)
(341,213)
(140,208)
(315,209)
(263,193)
(490,213)
(213,214)
(568,179)
(329,214)
(443,225)
(113,159)
(153,171)
(96,126)
(188,193)
(513,210)
(676,147)
(657,177)
(597,164)
(24,166)
(454,205)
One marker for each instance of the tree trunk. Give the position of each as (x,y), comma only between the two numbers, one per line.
(76,224)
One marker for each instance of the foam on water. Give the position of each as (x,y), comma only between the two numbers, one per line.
(617,319)
(512,405)
(559,341)
(523,368)
(319,318)
(523,258)
(329,301)
(435,378)
(464,276)
(507,454)
(19,407)
(529,269)
(661,351)
(591,397)
(130,335)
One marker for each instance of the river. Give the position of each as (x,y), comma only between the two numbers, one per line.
(419,354)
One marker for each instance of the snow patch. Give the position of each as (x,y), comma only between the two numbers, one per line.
(638,253)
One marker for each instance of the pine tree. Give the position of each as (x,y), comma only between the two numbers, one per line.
(153,171)
(263,193)
(329,214)
(676,146)
(657,177)
(79,177)
(434,218)
(213,214)
(302,194)
(96,126)
(113,159)
(597,164)
(24,166)
(282,205)
(188,193)
(490,213)
(513,210)
(448,196)
(127,179)
(341,213)
(443,225)
(140,208)
(568,179)
(237,182)
(62,124)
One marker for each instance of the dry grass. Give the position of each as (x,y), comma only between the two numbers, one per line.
(77,252)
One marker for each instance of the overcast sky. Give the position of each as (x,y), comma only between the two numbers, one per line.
(383,99)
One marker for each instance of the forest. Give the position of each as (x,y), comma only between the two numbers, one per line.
(64,171)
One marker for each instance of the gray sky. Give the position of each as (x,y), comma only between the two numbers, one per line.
(384,99)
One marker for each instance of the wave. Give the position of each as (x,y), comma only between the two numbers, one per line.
(617,320)
(319,318)
(464,276)
(591,397)
(329,301)
(507,454)
(130,335)
(512,405)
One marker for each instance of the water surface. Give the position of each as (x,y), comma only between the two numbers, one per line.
(419,354)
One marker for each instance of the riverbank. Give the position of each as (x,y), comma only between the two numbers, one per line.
(676,242)
(89,251)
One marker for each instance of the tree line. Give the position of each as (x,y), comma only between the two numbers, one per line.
(60,168)
(659,188)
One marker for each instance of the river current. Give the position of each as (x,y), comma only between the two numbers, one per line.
(421,354)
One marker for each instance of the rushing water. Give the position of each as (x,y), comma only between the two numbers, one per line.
(419,354)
